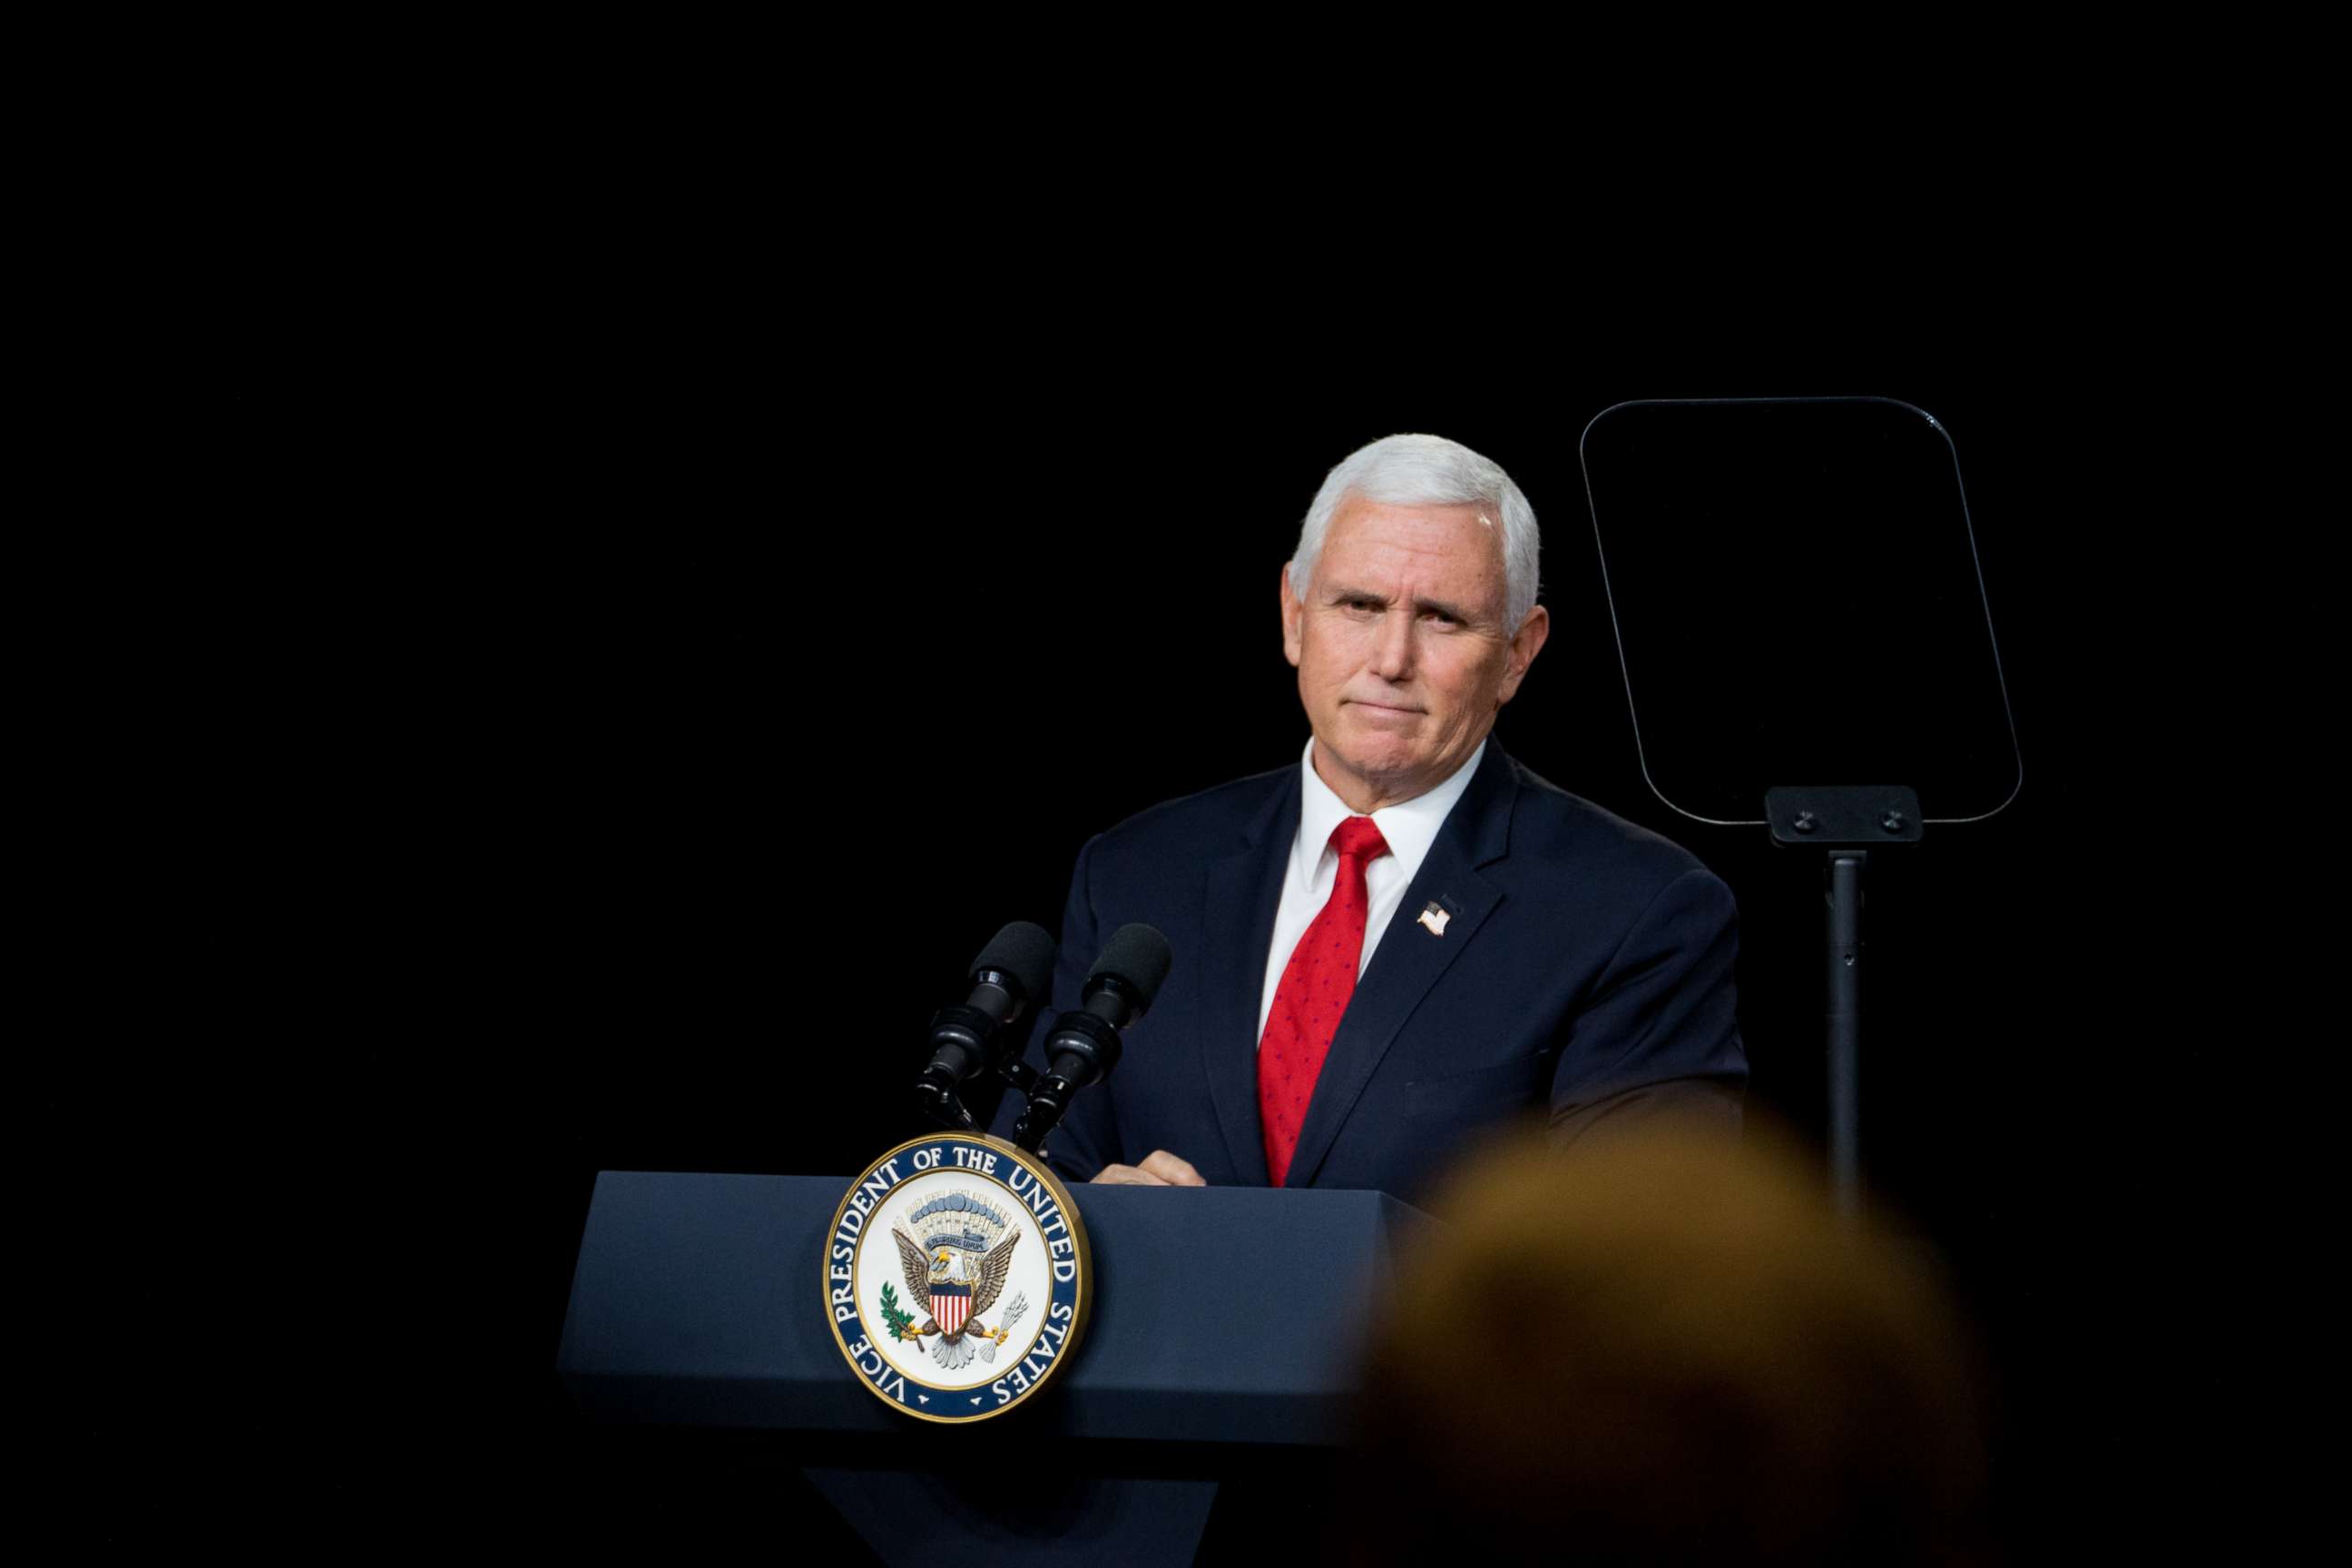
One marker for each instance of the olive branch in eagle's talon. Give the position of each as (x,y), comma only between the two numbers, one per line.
(901,1323)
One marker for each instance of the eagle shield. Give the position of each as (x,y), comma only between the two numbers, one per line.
(951,1304)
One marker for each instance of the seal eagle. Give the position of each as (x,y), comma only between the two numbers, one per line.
(951,1282)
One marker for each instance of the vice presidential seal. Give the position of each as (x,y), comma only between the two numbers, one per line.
(956,1277)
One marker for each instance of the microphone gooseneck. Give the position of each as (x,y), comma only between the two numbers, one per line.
(1086,1043)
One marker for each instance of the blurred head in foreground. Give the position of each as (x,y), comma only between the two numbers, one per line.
(1666,1351)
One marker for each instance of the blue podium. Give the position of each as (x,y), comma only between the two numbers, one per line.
(1226,1319)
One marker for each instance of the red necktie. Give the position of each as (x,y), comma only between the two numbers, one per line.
(1316,985)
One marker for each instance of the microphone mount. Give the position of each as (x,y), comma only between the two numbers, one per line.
(976,1035)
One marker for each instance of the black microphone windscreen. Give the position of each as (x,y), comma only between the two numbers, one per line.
(1024,950)
(1138,954)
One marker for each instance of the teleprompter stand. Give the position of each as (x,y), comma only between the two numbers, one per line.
(1796,593)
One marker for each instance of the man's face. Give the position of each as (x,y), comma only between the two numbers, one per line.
(1402,656)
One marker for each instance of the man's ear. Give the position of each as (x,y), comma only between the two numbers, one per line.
(1523,647)
(1293,614)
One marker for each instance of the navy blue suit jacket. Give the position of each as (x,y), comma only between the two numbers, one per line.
(1585,972)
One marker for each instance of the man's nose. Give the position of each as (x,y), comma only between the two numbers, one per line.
(1393,654)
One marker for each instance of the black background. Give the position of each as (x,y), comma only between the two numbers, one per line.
(597,742)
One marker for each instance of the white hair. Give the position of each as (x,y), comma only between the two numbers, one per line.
(1429,470)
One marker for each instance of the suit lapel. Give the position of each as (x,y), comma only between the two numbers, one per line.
(1410,958)
(1244,890)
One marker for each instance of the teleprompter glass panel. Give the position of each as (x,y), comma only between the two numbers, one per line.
(1798,602)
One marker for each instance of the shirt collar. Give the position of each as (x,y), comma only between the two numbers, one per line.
(1410,827)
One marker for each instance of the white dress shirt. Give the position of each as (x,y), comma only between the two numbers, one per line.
(1410,828)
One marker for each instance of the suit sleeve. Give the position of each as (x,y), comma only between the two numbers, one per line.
(1661,1035)
(1087,1138)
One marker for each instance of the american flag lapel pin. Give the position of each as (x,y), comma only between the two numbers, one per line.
(1434,917)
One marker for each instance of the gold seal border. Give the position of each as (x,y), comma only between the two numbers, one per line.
(1079,1314)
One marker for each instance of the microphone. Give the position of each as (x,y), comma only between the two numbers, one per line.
(1016,964)
(1086,1044)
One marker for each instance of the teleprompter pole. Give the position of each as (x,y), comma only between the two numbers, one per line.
(1846,822)
(1845,878)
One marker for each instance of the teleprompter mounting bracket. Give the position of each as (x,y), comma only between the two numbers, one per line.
(1843,817)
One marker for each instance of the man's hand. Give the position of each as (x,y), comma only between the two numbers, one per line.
(1160,1169)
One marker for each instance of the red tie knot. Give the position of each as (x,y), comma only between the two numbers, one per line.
(1358,839)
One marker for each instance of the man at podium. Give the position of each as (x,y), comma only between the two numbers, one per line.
(1404,937)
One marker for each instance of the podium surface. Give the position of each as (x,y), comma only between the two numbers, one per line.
(1221,1314)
